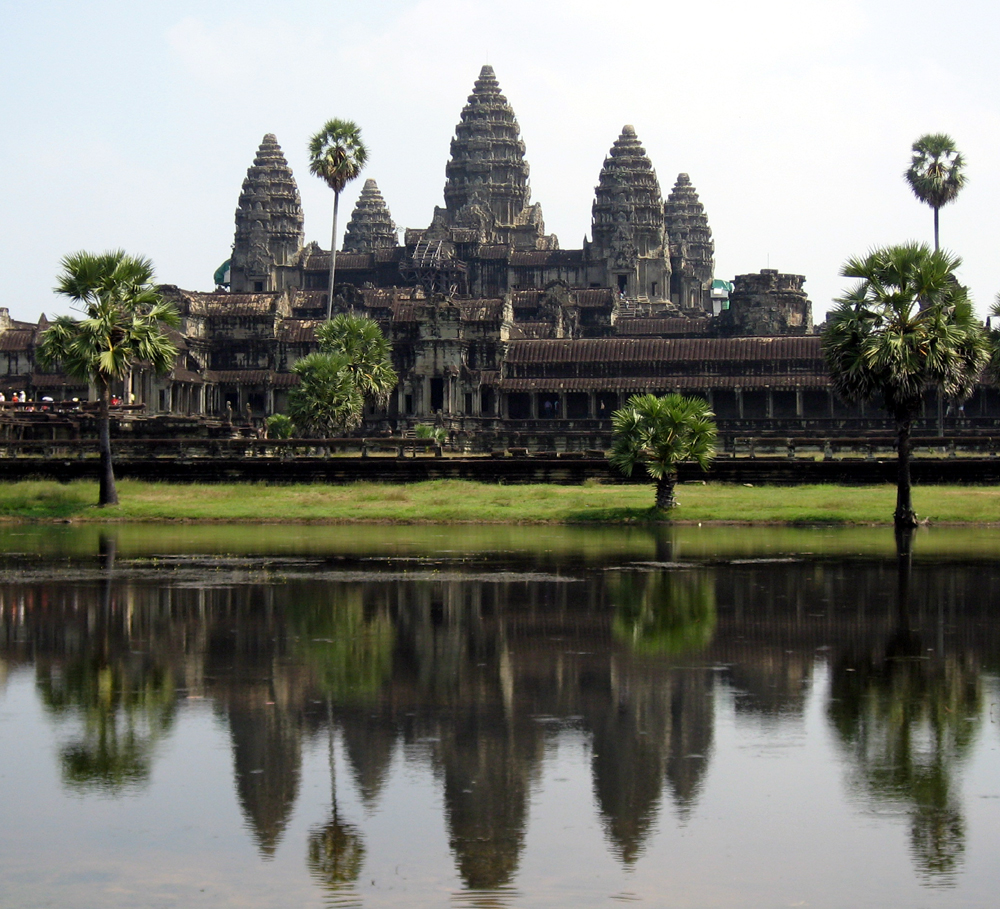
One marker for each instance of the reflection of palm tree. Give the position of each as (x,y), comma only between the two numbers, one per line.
(908,722)
(335,850)
(351,657)
(126,705)
(665,612)
(125,700)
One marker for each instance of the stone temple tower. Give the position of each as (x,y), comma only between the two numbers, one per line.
(268,223)
(486,193)
(371,226)
(692,249)
(627,224)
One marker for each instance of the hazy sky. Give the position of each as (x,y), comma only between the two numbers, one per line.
(132,124)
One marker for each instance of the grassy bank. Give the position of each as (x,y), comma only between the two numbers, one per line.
(444,501)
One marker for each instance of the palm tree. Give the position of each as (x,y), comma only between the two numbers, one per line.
(351,366)
(327,400)
(368,352)
(336,155)
(936,173)
(660,434)
(906,324)
(123,325)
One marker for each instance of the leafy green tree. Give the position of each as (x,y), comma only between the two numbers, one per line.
(427,431)
(326,401)
(936,173)
(368,352)
(352,365)
(280,426)
(905,325)
(336,155)
(660,434)
(123,324)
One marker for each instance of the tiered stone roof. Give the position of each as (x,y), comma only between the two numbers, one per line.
(627,201)
(269,215)
(692,249)
(487,174)
(371,226)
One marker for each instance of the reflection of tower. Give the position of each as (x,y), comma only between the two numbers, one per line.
(262,698)
(370,742)
(651,722)
(692,720)
(488,753)
(630,735)
(487,771)
(267,755)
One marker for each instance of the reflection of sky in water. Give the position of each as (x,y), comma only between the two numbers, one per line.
(670,779)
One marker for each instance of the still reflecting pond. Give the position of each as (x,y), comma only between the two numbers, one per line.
(390,717)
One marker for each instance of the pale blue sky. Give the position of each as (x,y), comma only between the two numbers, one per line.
(132,125)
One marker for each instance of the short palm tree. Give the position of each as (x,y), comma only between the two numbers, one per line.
(907,324)
(326,401)
(123,325)
(660,434)
(368,353)
(336,155)
(936,173)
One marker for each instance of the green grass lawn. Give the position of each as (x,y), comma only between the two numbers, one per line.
(444,501)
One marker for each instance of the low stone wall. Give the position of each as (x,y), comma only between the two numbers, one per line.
(502,469)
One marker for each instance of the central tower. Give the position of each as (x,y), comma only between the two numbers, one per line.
(486,192)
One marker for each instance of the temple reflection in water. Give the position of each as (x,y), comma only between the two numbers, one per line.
(474,676)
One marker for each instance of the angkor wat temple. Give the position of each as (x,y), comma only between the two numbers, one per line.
(496,330)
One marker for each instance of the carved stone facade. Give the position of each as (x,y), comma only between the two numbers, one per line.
(371,226)
(268,222)
(628,228)
(692,251)
(495,330)
(768,303)
(487,197)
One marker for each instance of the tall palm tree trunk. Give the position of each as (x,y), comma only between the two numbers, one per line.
(108,494)
(904,516)
(665,491)
(936,210)
(333,256)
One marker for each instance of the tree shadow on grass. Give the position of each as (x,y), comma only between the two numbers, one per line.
(618,515)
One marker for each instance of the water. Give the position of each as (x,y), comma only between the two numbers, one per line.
(497,717)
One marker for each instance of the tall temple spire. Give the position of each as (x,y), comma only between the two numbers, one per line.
(371,226)
(628,191)
(486,192)
(627,220)
(487,165)
(268,220)
(692,249)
